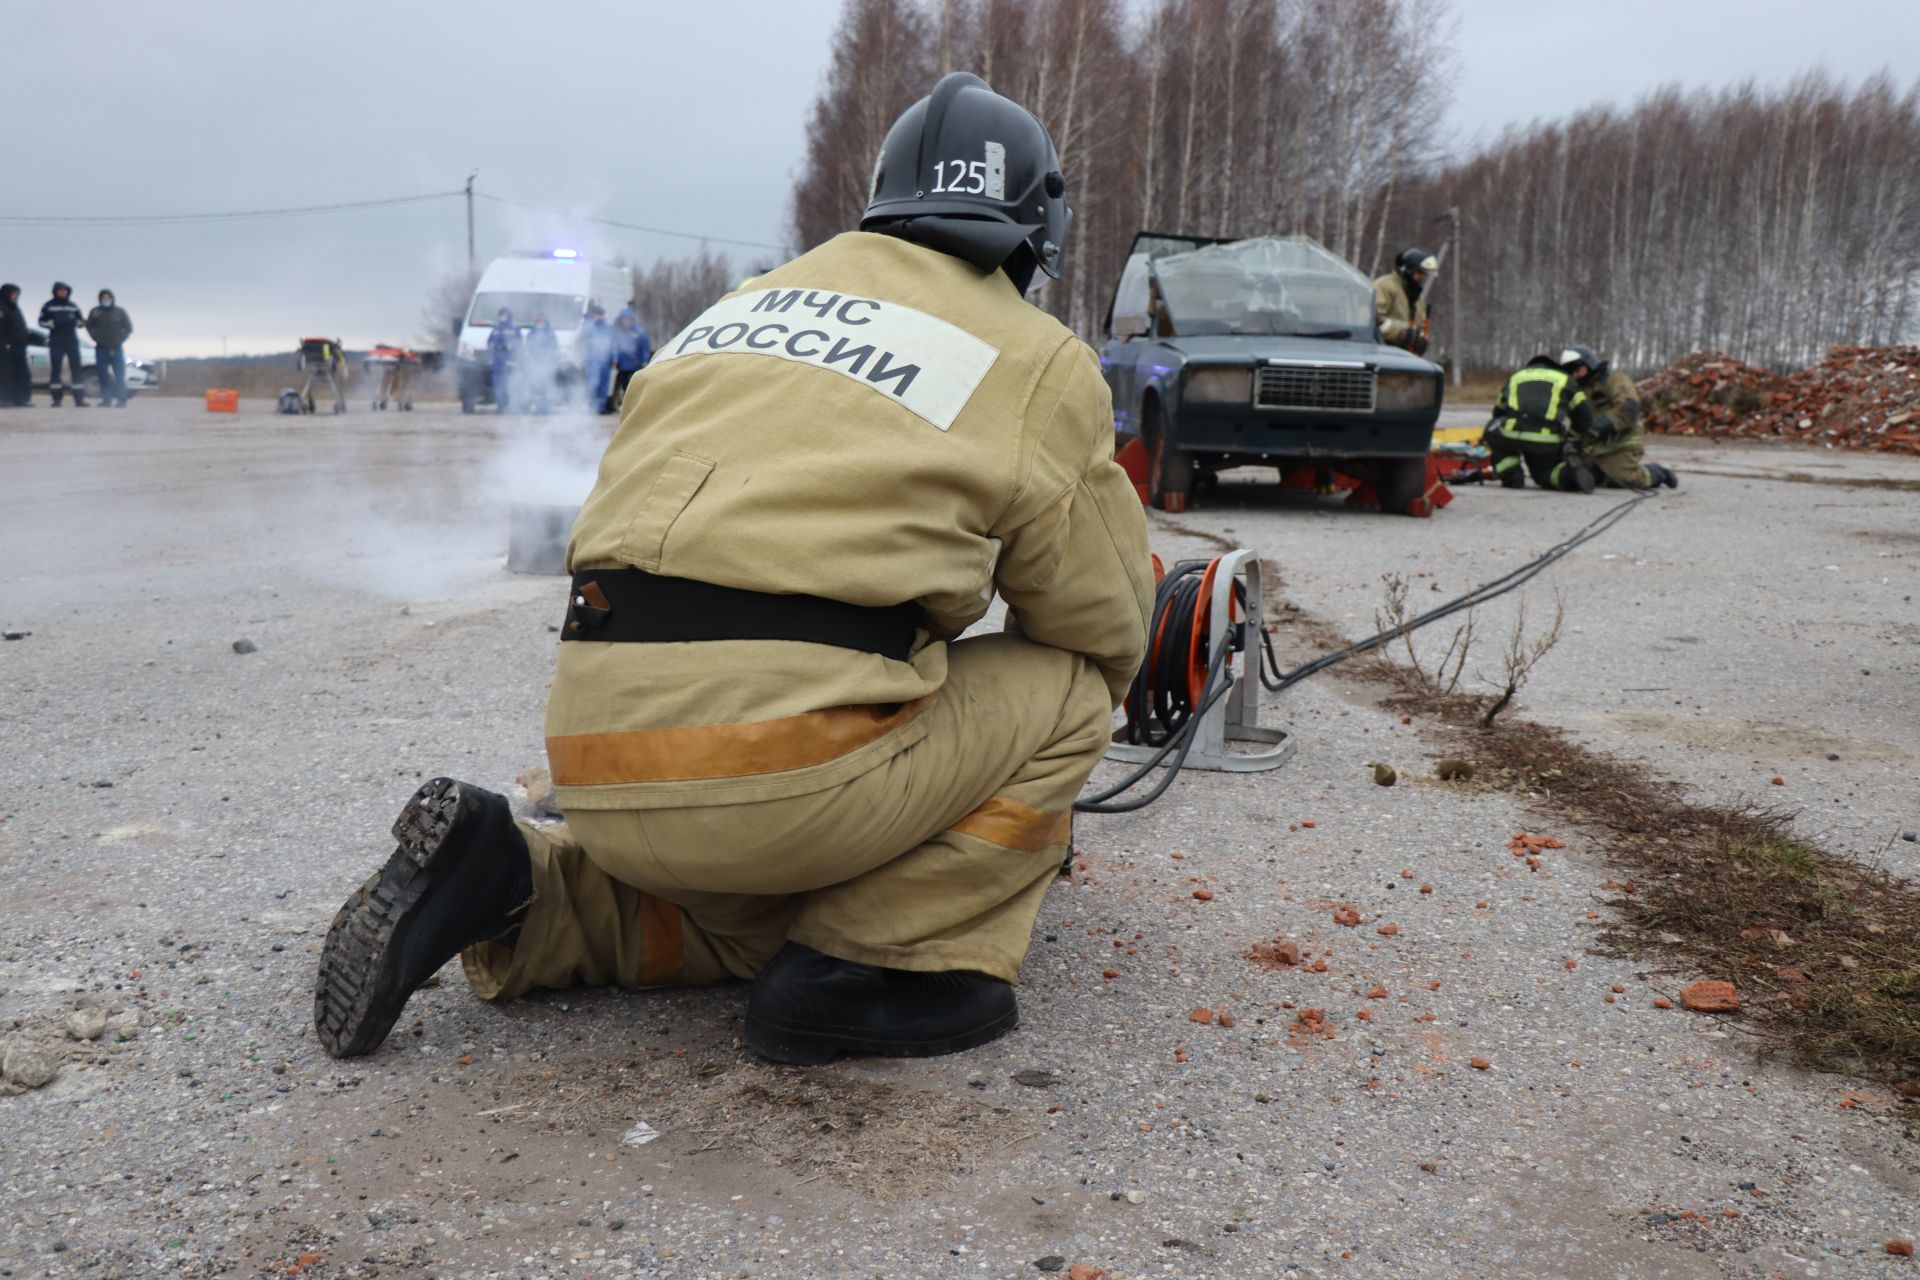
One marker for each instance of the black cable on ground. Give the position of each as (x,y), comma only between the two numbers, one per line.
(1160,709)
(1273,678)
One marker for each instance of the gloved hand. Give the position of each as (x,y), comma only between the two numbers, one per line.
(1605,432)
(1417,343)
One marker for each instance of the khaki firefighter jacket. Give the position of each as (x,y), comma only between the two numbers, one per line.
(874,422)
(1616,399)
(1400,320)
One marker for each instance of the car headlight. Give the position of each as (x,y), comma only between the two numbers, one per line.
(1219,386)
(1406,391)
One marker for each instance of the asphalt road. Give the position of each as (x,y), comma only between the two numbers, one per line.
(178,822)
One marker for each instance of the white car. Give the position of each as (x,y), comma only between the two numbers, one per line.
(142,375)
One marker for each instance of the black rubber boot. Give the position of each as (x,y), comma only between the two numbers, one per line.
(1663,475)
(807,1008)
(1582,477)
(461,875)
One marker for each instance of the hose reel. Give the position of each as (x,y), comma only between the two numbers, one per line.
(1187,696)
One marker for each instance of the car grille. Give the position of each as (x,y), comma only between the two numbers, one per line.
(1306,386)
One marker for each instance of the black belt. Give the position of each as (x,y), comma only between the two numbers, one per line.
(636,607)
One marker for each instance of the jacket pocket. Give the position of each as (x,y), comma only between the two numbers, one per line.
(667,497)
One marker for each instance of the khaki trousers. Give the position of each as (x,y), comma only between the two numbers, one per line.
(1620,464)
(936,858)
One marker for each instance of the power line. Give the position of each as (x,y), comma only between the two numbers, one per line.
(240,215)
(628,226)
(295,211)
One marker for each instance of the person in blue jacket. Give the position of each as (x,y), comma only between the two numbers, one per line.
(503,344)
(541,358)
(595,347)
(631,352)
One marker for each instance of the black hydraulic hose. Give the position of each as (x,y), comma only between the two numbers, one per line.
(1177,744)
(1160,692)
(1274,679)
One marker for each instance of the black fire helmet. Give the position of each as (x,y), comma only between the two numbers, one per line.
(973,174)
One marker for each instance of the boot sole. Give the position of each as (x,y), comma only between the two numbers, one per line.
(353,1009)
(802,1046)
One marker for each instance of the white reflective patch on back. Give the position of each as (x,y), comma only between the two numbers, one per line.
(996,171)
(918,361)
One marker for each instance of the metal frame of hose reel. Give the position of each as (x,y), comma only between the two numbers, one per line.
(1236,717)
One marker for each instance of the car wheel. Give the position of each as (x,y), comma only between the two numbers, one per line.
(1402,481)
(1170,477)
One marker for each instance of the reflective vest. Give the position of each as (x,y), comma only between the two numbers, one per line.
(1536,403)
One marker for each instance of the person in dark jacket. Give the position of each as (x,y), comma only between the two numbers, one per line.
(631,351)
(16,383)
(60,316)
(1542,423)
(109,326)
(503,345)
(541,355)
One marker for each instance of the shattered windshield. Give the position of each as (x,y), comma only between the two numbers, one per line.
(1268,286)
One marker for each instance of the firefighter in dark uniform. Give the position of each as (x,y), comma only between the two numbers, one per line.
(60,316)
(1541,423)
(778,759)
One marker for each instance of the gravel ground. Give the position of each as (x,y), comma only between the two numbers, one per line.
(178,821)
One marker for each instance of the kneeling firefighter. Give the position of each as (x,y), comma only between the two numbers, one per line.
(1618,451)
(1543,420)
(776,760)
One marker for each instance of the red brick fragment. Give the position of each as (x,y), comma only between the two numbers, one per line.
(1711,995)
(1281,953)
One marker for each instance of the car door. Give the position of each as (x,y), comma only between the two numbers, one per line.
(39,366)
(1127,341)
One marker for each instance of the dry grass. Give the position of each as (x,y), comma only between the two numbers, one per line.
(1731,893)
(1824,949)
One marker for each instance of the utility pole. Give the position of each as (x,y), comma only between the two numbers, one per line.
(1452,218)
(470,178)
(1459,292)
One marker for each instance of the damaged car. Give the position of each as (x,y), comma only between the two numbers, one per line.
(1261,352)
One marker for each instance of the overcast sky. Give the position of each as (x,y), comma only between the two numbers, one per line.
(680,116)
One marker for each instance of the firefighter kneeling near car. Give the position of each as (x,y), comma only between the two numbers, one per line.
(1618,457)
(1545,425)
(777,760)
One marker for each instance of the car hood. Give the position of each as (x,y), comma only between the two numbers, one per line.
(1233,348)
